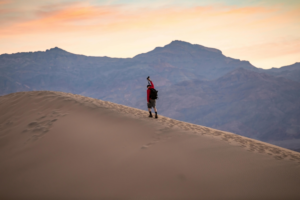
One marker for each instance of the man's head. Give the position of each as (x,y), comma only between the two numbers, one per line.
(148,86)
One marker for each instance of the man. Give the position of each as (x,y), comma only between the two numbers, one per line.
(151,102)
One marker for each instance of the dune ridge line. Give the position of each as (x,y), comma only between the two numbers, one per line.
(234,139)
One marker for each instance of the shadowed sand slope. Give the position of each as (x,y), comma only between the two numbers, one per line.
(57,145)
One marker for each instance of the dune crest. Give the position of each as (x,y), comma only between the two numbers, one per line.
(247,143)
(56,145)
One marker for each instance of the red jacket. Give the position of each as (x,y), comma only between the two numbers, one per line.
(148,91)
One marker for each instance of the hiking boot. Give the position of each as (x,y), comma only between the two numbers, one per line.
(150,115)
(156,115)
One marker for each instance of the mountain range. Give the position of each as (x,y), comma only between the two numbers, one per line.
(196,84)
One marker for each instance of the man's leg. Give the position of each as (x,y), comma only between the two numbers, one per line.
(150,113)
(155,112)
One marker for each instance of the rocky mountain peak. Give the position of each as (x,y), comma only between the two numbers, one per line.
(179,43)
(57,50)
(190,47)
(178,48)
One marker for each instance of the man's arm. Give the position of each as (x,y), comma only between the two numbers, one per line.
(152,85)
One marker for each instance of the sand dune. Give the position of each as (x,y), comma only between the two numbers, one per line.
(56,145)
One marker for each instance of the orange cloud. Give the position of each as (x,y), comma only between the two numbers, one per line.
(117,17)
(2,2)
(231,29)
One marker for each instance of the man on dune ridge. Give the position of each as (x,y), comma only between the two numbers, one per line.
(151,98)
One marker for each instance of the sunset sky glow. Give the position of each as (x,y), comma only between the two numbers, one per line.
(266,32)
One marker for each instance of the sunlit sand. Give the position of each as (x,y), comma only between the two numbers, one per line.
(56,145)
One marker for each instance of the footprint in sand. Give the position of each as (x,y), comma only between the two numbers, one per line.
(42,125)
(162,134)
(147,145)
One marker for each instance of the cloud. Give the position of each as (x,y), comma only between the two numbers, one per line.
(68,17)
(3,2)
(237,30)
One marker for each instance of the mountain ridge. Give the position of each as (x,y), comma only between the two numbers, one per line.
(205,78)
(174,43)
(248,107)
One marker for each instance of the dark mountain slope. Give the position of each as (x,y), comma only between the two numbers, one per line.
(98,77)
(54,69)
(196,84)
(195,60)
(247,103)
(291,72)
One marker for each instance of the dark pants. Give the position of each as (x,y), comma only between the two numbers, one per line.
(152,103)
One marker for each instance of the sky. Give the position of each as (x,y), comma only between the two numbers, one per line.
(264,32)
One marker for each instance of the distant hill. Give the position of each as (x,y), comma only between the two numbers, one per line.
(248,103)
(194,61)
(291,72)
(196,84)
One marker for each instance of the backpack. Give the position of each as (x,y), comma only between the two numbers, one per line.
(153,93)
